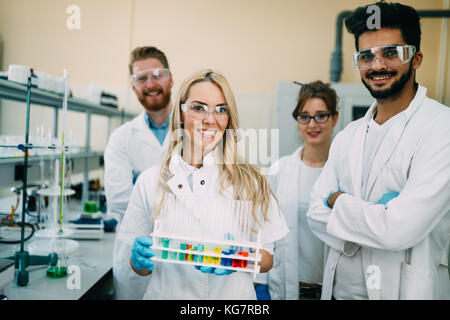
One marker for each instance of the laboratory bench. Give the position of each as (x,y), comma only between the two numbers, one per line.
(93,257)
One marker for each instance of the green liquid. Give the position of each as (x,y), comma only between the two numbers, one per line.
(56,272)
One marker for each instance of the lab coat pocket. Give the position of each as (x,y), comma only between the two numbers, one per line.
(415,284)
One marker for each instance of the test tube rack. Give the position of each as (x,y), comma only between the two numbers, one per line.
(207,249)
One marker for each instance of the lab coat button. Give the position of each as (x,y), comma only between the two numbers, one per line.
(332,266)
(202,182)
(180,186)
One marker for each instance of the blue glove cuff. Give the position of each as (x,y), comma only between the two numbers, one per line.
(387,197)
(326,201)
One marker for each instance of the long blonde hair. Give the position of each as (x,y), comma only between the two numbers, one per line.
(248,183)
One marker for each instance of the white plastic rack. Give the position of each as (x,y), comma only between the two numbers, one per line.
(210,232)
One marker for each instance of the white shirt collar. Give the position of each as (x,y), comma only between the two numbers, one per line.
(211,158)
(409,111)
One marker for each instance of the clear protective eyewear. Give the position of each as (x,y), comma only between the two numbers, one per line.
(141,78)
(201,111)
(319,118)
(391,56)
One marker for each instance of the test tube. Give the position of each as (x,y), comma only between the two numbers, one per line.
(188,247)
(217,250)
(243,263)
(200,248)
(173,255)
(182,255)
(190,257)
(206,258)
(165,244)
(226,262)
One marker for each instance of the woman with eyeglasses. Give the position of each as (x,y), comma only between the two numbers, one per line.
(299,257)
(202,162)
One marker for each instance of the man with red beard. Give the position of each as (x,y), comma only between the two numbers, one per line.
(134,147)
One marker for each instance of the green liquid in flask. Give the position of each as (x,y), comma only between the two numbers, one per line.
(57,272)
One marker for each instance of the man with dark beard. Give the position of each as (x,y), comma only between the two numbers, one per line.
(382,201)
(134,147)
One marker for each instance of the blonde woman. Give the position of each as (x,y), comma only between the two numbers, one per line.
(202,161)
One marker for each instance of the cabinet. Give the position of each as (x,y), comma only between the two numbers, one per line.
(17,92)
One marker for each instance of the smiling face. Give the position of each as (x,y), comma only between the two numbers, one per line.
(314,133)
(155,94)
(204,134)
(387,81)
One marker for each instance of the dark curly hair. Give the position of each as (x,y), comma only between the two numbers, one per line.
(316,89)
(392,15)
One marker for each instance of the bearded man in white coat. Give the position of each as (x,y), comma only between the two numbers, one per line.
(382,201)
(134,147)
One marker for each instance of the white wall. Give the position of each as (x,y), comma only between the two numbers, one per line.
(255,43)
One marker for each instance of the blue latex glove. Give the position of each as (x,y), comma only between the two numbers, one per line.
(141,253)
(385,198)
(216,271)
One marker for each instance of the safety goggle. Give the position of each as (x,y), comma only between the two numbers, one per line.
(142,78)
(391,56)
(201,111)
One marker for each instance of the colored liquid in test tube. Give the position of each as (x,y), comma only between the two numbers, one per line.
(244,263)
(173,255)
(206,258)
(229,250)
(200,248)
(226,262)
(188,247)
(217,250)
(239,263)
(190,257)
(182,256)
(165,243)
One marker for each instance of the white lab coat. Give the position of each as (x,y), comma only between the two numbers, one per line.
(283,278)
(412,160)
(131,149)
(179,282)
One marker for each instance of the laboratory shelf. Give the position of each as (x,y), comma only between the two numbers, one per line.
(75,155)
(18,92)
(14,91)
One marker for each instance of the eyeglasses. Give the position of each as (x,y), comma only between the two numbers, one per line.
(141,78)
(319,118)
(391,55)
(201,111)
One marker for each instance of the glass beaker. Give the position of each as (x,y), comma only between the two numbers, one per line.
(60,269)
